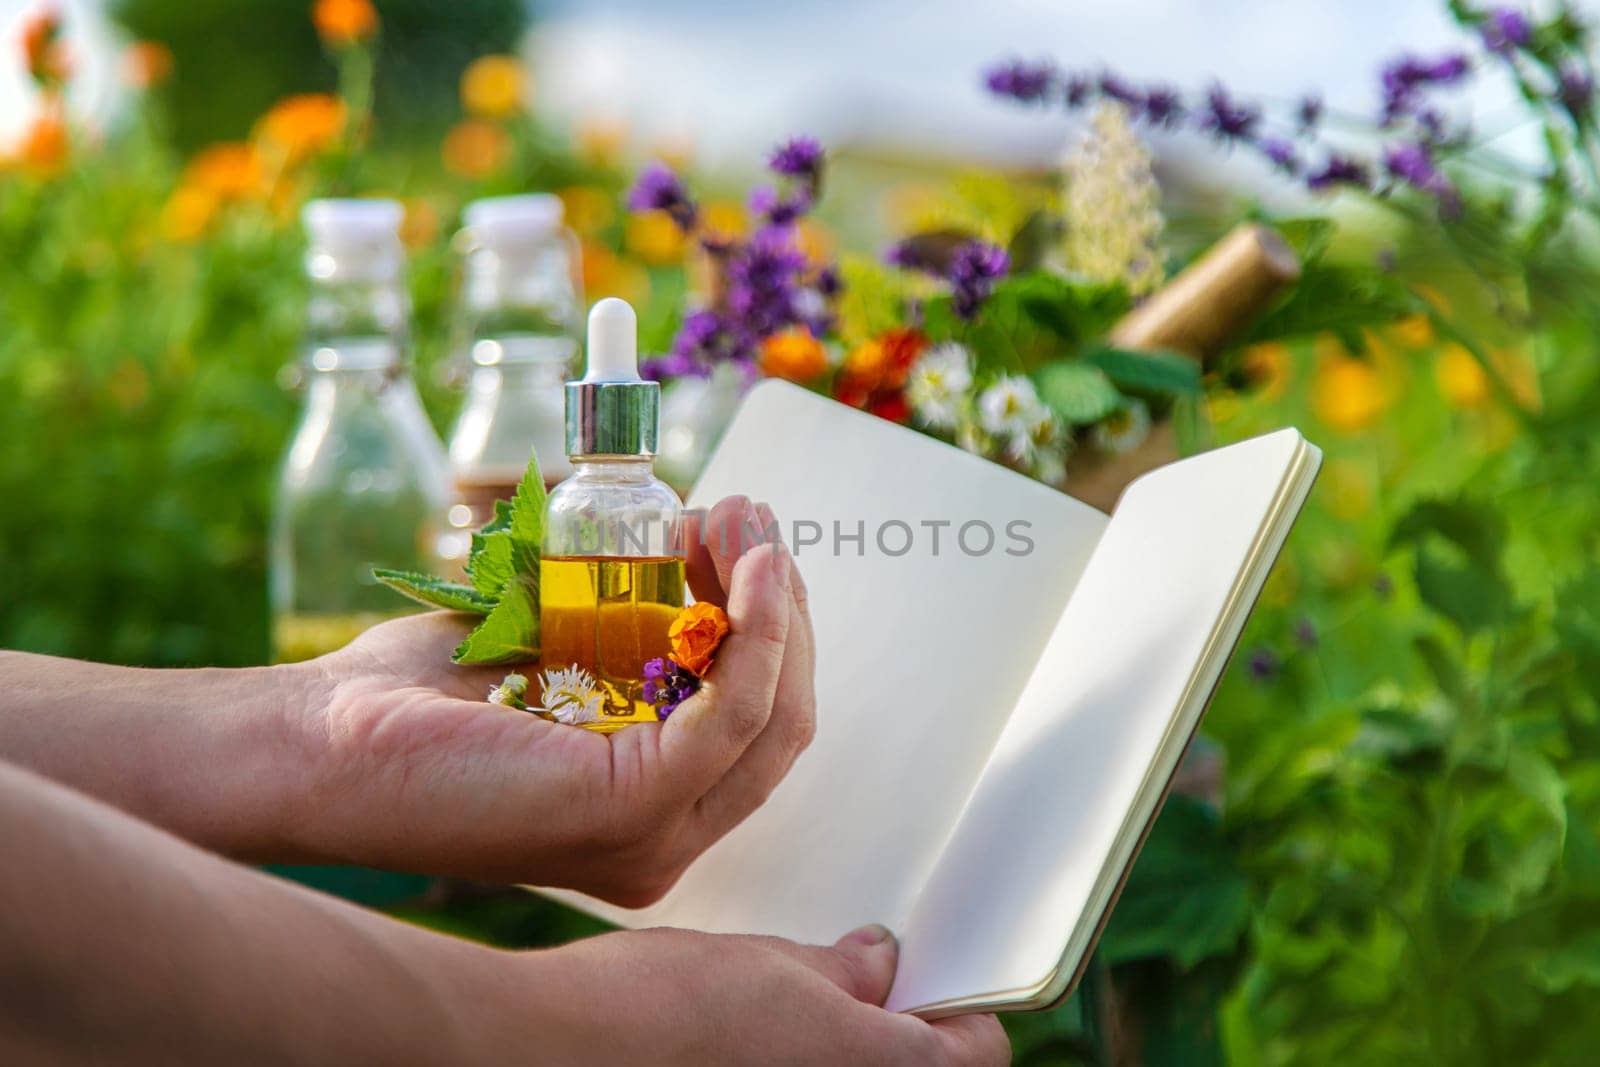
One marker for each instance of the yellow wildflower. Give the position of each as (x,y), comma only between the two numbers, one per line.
(493,87)
(1269,367)
(344,22)
(1413,331)
(793,354)
(1347,394)
(654,237)
(475,148)
(1461,378)
(586,208)
(725,219)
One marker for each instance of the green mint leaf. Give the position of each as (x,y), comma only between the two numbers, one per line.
(501,520)
(493,562)
(510,633)
(1077,392)
(527,514)
(435,592)
(1159,374)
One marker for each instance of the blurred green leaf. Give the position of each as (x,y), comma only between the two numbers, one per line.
(1077,392)
(1157,374)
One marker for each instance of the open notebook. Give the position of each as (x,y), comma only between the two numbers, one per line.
(995,729)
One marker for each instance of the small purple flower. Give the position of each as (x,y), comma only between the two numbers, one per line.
(1077,90)
(779,210)
(1163,107)
(973,270)
(1339,169)
(1305,634)
(1264,665)
(1227,118)
(1383,586)
(1024,82)
(666,685)
(1404,78)
(829,284)
(658,189)
(1281,154)
(1308,114)
(908,255)
(798,157)
(1506,29)
(1413,164)
(1114,88)
(1576,90)
(763,277)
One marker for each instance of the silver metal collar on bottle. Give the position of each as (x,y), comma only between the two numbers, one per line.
(613,418)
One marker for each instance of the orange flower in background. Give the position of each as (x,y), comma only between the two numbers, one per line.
(187,213)
(43,151)
(874,373)
(302,125)
(146,63)
(421,223)
(344,22)
(1347,393)
(654,237)
(695,635)
(42,51)
(1413,331)
(475,148)
(901,347)
(493,86)
(794,355)
(231,170)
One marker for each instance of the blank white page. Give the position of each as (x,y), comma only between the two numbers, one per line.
(920,659)
(1099,727)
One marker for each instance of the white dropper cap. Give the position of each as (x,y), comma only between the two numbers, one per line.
(613,342)
(612,411)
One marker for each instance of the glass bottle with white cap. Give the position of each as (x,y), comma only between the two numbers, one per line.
(366,481)
(611,578)
(521,311)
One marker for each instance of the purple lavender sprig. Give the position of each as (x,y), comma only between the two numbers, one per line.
(666,685)
(765,282)
(970,270)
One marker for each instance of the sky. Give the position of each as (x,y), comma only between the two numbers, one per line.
(732,76)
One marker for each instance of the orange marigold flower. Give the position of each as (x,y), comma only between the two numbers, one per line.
(475,148)
(901,347)
(493,86)
(344,22)
(302,125)
(695,635)
(793,354)
(228,171)
(1268,365)
(146,63)
(42,50)
(187,213)
(44,147)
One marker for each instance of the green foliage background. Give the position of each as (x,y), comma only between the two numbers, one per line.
(1405,865)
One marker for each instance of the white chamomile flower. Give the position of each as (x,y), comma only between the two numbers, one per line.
(1009,408)
(1050,467)
(939,383)
(571,695)
(510,691)
(1123,430)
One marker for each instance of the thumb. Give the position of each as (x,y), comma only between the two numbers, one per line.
(868,957)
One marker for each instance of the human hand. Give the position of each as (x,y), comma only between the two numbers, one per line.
(411,769)
(678,997)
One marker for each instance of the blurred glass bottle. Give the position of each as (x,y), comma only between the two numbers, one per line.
(521,311)
(366,482)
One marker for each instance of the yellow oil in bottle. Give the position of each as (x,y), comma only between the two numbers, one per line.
(609,615)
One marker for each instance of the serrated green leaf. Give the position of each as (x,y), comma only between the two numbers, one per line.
(501,520)
(493,562)
(527,511)
(1077,392)
(510,633)
(1150,373)
(435,592)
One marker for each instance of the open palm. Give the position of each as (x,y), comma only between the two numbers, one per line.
(415,771)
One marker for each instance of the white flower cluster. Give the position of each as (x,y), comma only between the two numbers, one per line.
(571,695)
(1005,420)
(1111,206)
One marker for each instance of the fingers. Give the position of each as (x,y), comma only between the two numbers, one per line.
(787,733)
(973,1039)
(710,731)
(715,539)
(862,962)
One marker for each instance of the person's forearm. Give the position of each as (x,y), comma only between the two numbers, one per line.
(218,757)
(117,940)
